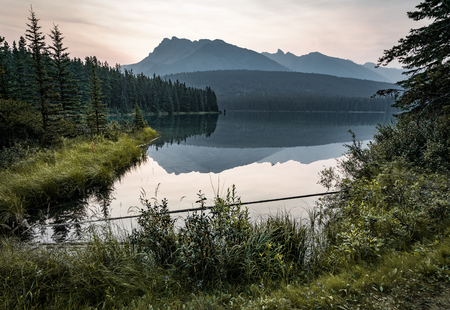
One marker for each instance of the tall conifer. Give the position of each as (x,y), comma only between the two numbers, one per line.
(66,85)
(6,91)
(22,77)
(43,84)
(138,118)
(96,114)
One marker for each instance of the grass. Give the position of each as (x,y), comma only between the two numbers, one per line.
(47,176)
(110,273)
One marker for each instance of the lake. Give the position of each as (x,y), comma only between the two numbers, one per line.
(266,155)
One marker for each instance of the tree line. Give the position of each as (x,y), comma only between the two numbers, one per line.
(306,103)
(43,92)
(239,86)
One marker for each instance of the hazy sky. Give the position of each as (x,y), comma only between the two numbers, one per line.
(126,31)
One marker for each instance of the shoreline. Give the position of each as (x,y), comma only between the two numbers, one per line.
(47,177)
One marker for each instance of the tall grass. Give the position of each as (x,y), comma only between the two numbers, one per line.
(77,165)
(110,272)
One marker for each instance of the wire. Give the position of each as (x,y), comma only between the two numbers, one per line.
(193,209)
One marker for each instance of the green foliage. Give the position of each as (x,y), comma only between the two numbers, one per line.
(425,53)
(392,211)
(157,235)
(138,118)
(43,84)
(96,111)
(219,245)
(104,273)
(207,239)
(422,144)
(18,123)
(395,192)
(66,86)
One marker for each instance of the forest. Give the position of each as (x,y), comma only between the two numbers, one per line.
(288,91)
(306,103)
(44,93)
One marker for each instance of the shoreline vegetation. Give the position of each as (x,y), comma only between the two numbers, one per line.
(70,169)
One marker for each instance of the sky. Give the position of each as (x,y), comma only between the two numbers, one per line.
(126,31)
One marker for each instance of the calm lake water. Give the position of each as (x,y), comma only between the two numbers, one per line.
(266,155)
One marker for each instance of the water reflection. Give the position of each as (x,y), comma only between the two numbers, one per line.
(266,155)
(72,212)
(242,138)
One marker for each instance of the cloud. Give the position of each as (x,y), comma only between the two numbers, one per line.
(126,31)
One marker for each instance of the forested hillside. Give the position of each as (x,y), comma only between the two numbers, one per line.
(43,92)
(287,91)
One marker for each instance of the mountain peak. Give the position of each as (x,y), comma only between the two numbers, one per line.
(316,54)
(316,62)
(182,55)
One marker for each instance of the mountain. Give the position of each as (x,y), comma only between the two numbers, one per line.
(182,55)
(322,64)
(392,74)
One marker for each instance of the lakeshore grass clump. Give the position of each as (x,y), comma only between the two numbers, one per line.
(74,167)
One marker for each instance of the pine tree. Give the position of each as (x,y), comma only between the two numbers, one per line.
(96,114)
(138,118)
(425,53)
(43,84)
(167,101)
(66,86)
(22,77)
(6,91)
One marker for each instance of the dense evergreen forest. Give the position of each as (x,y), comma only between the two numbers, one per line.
(306,103)
(288,91)
(45,93)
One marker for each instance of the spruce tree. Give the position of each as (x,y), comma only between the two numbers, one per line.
(22,77)
(425,53)
(97,112)
(138,118)
(167,101)
(6,91)
(43,85)
(66,85)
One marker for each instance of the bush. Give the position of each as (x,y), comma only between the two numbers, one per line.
(395,192)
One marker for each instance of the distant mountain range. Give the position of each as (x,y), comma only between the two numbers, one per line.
(182,55)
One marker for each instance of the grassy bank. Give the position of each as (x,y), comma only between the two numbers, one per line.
(46,176)
(110,273)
